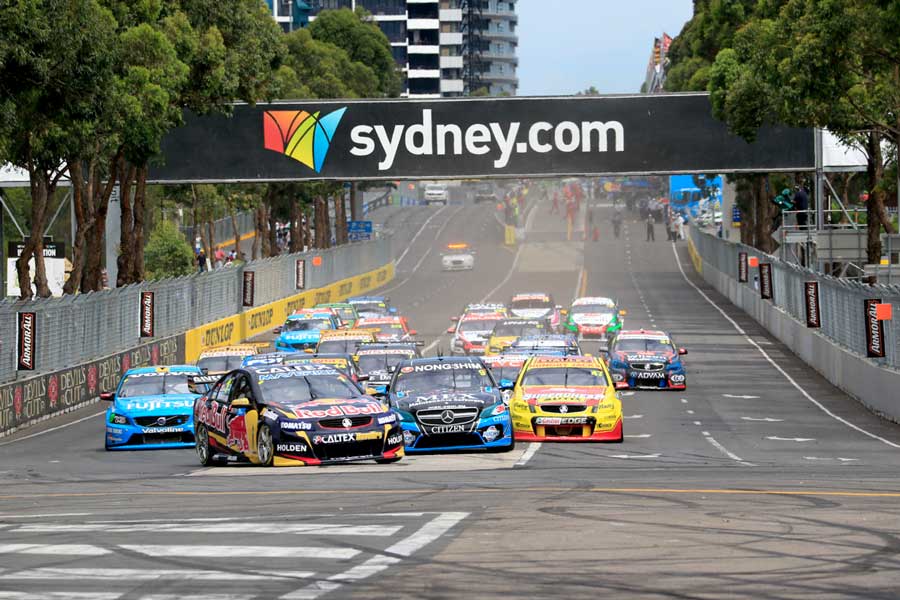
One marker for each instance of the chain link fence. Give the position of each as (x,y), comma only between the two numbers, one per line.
(74,329)
(841,301)
(223,229)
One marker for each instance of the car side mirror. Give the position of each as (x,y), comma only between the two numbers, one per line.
(558,307)
(362,377)
(507,384)
(412,332)
(623,312)
(107,396)
(277,330)
(451,329)
(391,368)
(564,312)
(682,351)
(240,403)
(375,393)
(454,319)
(309,350)
(392,310)
(204,370)
(621,385)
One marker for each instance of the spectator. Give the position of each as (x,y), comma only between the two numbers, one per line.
(201,261)
(220,258)
(679,225)
(651,234)
(801,203)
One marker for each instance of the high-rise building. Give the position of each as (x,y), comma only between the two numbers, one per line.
(499,45)
(290,14)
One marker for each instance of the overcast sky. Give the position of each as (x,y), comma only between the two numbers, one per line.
(566,46)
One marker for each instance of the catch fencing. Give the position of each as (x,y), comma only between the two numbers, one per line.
(841,306)
(223,229)
(75,329)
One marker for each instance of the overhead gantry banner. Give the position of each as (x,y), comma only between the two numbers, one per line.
(472,138)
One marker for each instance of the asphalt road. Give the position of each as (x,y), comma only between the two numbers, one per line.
(760,480)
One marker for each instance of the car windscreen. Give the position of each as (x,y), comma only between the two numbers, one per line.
(564,376)
(514,329)
(307,325)
(501,373)
(372,308)
(644,345)
(380,362)
(530,304)
(220,364)
(153,384)
(424,382)
(346,313)
(478,325)
(594,309)
(294,390)
(343,346)
(384,328)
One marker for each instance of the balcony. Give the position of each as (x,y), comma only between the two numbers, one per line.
(424,74)
(500,35)
(451,39)
(500,77)
(424,49)
(452,85)
(450,15)
(423,24)
(451,62)
(495,57)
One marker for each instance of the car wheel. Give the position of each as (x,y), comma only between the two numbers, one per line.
(387,461)
(265,446)
(201,441)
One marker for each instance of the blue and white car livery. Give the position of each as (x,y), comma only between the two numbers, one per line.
(302,330)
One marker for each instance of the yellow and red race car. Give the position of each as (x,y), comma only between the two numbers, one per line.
(565,399)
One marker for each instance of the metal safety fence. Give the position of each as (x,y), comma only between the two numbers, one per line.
(223,229)
(74,329)
(841,309)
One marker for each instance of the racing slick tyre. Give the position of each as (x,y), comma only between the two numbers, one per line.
(204,453)
(265,446)
(387,461)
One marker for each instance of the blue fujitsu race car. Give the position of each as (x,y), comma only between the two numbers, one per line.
(303,329)
(152,408)
(449,403)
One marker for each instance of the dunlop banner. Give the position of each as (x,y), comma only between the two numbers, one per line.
(37,398)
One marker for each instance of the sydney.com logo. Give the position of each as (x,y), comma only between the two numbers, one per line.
(303,136)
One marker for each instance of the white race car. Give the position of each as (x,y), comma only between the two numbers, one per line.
(458,257)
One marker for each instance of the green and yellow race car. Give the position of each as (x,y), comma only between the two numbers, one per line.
(595,318)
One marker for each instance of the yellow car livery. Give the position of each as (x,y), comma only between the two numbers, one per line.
(509,330)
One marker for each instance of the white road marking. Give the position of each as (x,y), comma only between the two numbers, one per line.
(764,419)
(120,575)
(182,527)
(425,255)
(690,412)
(634,416)
(45,515)
(634,455)
(54,549)
(198,597)
(242,551)
(697,423)
(406,547)
(418,233)
(640,435)
(5,595)
(529,452)
(842,459)
(626,394)
(774,364)
(739,397)
(57,428)
(684,400)
(784,439)
(725,450)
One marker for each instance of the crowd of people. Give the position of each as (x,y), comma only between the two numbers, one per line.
(219,259)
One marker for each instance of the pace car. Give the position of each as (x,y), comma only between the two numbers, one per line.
(595,318)
(372,306)
(293,415)
(450,403)
(458,257)
(378,362)
(646,359)
(509,330)
(471,333)
(303,329)
(388,329)
(152,408)
(344,341)
(536,306)
(566,399)
(218,361)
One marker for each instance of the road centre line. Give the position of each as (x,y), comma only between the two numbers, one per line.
(774,364)
(418,233)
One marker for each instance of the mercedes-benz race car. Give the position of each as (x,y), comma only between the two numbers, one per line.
(344,341)
(372,306)
(379,361)
(218,361)
(449,403)
(458,257)
(388,329)
(509,330)
(595,318)
(646,359)
(152,408)
(293,415)
(536,306)
(561,344)
(566,399)
(344,310)
(303,329)
(472,331)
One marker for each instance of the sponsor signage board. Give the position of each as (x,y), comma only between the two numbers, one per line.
(300,274)
(248,291)
(147,314)
(472,137)
(813,312)
(359,231)
(874,329)
(765,281)
(26,326)
(742,267)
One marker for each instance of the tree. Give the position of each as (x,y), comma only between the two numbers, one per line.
(167,253)
(591,91)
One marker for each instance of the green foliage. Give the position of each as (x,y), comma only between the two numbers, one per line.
(167,253)
(363,41)
(317,69)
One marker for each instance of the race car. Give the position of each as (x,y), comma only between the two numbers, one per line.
(536,306)
(561,344)
(595,318)
(378,362)
(268,358)
(372,306)
(471,333)
(505,370)
(458,257)
(151,408)
(566,399)
(344,310)
(388,329)
(449,403)
(302,329)
(481,309)
(343,363)
(509,330)
(218,361)
(646,359)
(344,341)
(293,415)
